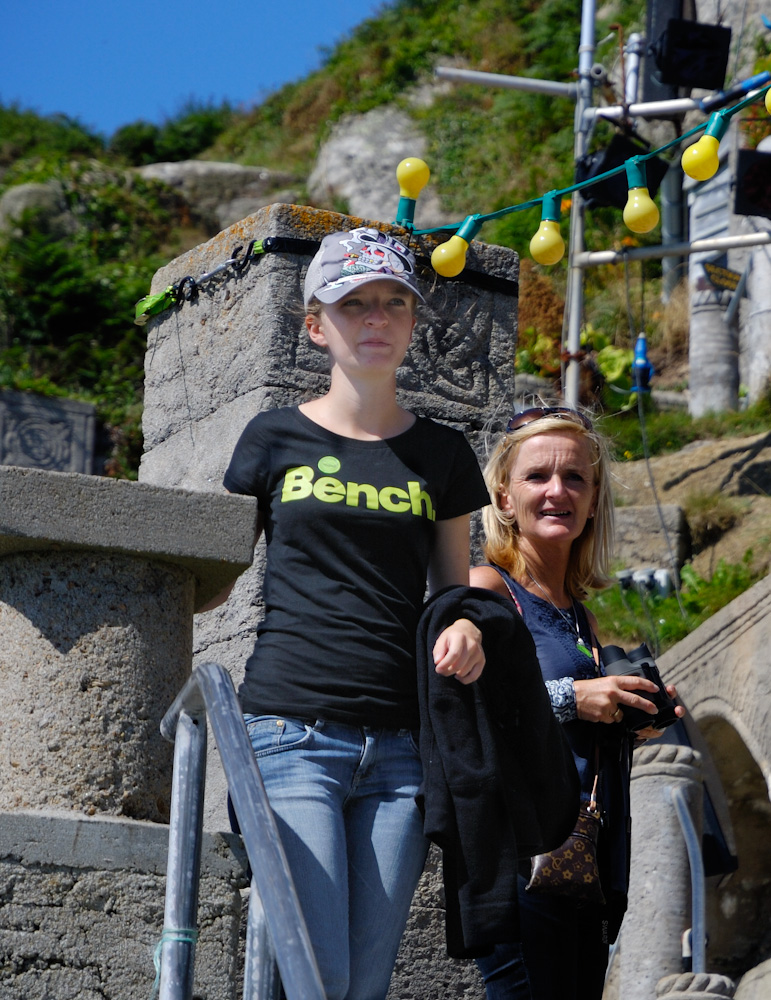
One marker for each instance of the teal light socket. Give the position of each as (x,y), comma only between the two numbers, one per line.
(550,207)
(635,173)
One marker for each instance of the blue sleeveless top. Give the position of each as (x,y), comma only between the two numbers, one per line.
(555,635)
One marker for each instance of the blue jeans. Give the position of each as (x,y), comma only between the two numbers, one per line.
(344,801)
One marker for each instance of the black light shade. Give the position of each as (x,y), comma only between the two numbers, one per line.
(752,194)
(614,191)
(690,54)
(658,14)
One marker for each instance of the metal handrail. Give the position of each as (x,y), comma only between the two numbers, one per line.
(210,691)
(696,864)
(698,935)
(177,947)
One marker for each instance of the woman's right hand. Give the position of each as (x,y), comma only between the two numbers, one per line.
(458,652)
(603,699)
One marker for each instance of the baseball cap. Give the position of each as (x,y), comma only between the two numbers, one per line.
(361,255)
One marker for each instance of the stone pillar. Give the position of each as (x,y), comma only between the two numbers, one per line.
(94,649)
(756,360)
(755,353)
(755,984)
(694,986)
(99,581)
(713,354)
(660,882)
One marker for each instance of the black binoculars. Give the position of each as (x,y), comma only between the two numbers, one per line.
(640,663)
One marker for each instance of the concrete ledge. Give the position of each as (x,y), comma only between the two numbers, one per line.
(58,837)
(209,534)
(642,541)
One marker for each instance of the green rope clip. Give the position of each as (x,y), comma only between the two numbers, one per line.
(184,935)
(151,305)
(186,288)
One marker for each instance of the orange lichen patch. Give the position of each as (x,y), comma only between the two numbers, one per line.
(299,221)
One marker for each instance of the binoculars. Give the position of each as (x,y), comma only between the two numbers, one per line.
(640,663)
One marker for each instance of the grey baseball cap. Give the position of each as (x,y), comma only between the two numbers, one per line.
(362,255)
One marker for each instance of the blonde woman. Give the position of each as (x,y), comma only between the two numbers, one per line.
(549,538)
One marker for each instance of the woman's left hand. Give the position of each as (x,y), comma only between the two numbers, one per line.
(603,699)
(458,652)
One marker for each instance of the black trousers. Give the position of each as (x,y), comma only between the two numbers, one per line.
(563,954)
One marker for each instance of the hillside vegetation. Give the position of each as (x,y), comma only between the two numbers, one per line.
(67,290)
(66,297)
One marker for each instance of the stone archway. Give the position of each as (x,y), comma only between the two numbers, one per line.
(739,904)
(723,675)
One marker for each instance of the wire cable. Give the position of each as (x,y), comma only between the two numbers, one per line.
(644,440)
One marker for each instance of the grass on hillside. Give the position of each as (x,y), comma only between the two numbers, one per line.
(627,615)
(668,431)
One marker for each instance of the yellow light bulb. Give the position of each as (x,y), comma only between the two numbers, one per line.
(547,246)
(449,258)
(700,160)
(640,212)
(412,175)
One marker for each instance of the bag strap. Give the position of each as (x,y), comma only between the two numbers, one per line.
(592,805)
(505,577)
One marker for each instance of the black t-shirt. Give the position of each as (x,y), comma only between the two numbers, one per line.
(349,526)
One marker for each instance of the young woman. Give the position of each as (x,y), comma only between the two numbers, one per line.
(362,503)
(549,540)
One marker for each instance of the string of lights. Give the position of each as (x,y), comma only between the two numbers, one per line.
(699,161)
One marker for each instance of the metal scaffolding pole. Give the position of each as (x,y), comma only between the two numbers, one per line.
(585,117)
(595,258)
(575,294)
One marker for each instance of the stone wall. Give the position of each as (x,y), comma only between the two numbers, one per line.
(43,433)
(723,673)
(82,903)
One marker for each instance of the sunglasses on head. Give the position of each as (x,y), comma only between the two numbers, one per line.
(536,412)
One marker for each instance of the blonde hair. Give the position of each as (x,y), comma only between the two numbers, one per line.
(591,553)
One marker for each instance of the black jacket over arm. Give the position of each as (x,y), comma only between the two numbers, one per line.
(499,782)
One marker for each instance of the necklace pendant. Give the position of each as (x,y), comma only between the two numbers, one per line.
(580,644)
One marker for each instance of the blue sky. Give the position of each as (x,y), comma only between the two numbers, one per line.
(109,63)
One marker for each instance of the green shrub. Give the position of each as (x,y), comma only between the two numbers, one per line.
(710,516)
(627,617)
(26,134)
(193,130)
(136,144)
(671,430)
(67,304)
